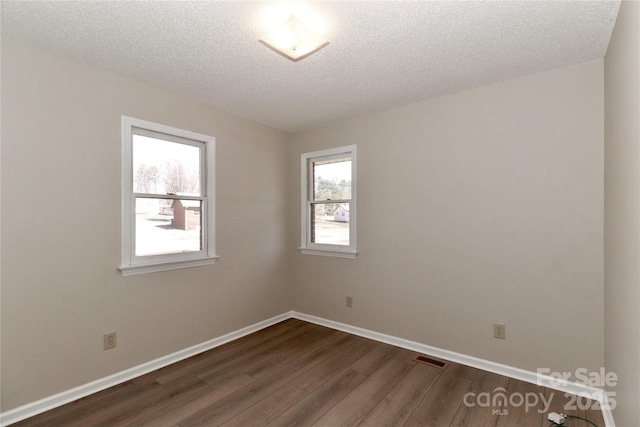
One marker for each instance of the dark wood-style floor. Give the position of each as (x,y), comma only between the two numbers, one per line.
(300,374)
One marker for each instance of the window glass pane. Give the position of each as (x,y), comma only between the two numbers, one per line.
(332,179)
(165,167)
(330,223)
(167,226)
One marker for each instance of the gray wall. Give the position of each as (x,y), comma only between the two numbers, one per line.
(622,212)
(478,207)
(61,289)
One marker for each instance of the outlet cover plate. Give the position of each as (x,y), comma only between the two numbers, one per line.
(109,340)
(499,331)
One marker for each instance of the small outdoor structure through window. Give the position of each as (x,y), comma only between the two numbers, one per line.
(341,214)
(186,214)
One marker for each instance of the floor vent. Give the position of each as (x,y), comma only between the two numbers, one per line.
(428,360)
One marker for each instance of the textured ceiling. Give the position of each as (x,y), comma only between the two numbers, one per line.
(381,54)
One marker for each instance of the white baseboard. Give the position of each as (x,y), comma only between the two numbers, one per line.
(48,403)
(51,402)
(497,368)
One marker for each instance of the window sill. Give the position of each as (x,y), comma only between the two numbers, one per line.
(329,252)
(132,270)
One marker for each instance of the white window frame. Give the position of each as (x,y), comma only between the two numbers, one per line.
(132,264)
(306,246)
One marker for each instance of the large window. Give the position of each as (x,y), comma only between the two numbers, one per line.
(167,198)
(329,202)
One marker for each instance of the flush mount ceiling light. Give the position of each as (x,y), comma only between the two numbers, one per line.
(294,40)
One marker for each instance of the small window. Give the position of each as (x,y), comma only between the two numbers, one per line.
(329,202)
(167,198)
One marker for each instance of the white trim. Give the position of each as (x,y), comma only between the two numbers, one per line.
(31,409)
(324,252)
(130,264)
(497,368)
(608,417)
(35,408)
(309,248)
(133,270)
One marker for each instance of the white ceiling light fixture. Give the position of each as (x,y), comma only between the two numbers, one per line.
(294,40)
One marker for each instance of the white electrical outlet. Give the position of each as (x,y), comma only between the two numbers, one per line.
(499,331)
(349,301)
(109,340)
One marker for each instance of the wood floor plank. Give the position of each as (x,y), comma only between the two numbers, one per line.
(321,373)
(476,414)
(239,401)
(595,414)
(407,356)
(317,403)
(439,406)
(269,408)
(398,405)
(186,407)
(356,405)
(524,405)
(296,374)
(571,405)
(88,414)
(293,323)
(578,422)
(155,393)
(223,410)
(580,407)
(336,340)
(127,414)
(75,407)
(284,346)
(557,399)
(462,371)
(374,358)
(226,357)
(207,358)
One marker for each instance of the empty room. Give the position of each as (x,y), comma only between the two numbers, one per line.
(394,213)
